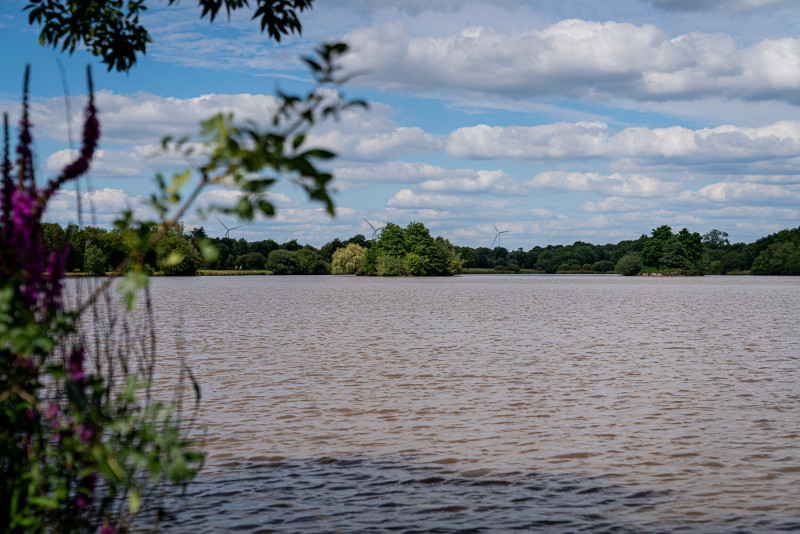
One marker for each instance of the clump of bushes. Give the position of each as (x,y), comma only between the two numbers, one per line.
(629,265)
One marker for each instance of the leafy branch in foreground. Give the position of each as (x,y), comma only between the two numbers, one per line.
(112,31)
(244,156)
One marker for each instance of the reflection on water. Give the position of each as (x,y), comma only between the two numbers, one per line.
(357,495)
(686,388)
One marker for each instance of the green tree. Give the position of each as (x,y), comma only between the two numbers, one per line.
(282,261)
(94,261)
(310,262)
(629,265)
(392,241)
(653,249)
(330,247)
(716,239)
(252,261)
(692,246)
(348,260)
(177,257)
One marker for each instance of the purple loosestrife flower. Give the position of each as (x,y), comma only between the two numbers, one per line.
(24,152)
(27,242)
(107,529)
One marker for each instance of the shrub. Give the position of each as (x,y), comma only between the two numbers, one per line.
(252,261)
(414,264)
(94,261)
(629,265)
(177,256)
(603,266)
(282,262)
(387,265)
(348,260)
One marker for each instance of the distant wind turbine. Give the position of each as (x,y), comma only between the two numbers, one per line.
(374,230)
(497,236)
(227,230)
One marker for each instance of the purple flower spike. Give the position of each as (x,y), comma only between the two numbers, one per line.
(91,135)
(107,529)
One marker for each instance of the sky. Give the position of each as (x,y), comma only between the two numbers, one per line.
(559,121)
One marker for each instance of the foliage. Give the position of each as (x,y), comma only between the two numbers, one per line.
(112,31)
(252,261)
(411,251)
(665,250)
(778,259)
(282,262)
(94,261)
(309,262)
(348,260)
(78,448)
(716,239)
(603,266)
(78,445)
(177,257)
(629,265)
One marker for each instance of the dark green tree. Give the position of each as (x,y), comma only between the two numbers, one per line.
(252,261)
(95,261)
(716,239)
(629,265)
(654,247)
(310,262)
(282,261)
(177,256)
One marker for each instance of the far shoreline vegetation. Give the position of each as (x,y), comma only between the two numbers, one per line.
(412,251)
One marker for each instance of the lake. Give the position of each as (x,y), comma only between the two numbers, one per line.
(491,403)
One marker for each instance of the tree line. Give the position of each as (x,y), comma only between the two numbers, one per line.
(413,251)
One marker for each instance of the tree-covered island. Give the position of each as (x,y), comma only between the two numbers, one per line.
(412,251)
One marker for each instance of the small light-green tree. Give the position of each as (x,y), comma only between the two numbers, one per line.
(348,260)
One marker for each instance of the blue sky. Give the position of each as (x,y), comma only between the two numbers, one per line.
(559,121)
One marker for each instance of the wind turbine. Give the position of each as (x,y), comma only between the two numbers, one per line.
(227,230)
(374,230)
(497,236)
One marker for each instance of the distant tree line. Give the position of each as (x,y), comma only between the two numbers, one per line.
(413,251)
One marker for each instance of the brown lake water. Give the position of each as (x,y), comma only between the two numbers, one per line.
(491,403)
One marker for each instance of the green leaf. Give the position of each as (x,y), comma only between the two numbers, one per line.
(179,180)
(209,252)
(173,259)
(134,501)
